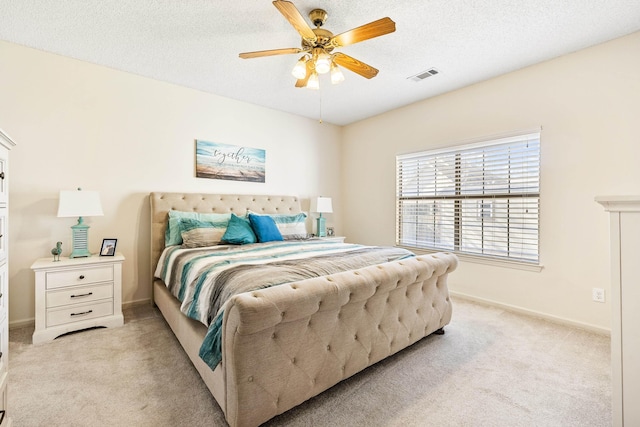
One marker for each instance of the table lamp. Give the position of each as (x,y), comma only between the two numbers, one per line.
(321,205)
(79,203)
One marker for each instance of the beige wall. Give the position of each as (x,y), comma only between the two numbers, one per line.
(588,105)
(78,124)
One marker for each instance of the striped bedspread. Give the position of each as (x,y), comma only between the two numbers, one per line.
(203,279)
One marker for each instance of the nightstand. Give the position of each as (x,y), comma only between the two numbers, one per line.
(77,293)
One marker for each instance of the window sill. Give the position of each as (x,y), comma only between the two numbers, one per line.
(483,260)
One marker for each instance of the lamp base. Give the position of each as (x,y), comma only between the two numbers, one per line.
(80,233)
(322,229)
(79,253)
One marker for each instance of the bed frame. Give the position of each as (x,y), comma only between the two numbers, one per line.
(285,344)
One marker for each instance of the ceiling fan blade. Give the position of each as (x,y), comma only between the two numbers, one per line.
(354,65)
(272,52)
(294,17)
(303,82)
(368,31)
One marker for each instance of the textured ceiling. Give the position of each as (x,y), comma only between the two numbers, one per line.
(195,43)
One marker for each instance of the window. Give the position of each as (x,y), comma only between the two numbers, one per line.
(480,199)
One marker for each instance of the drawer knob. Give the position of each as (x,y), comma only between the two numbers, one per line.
(76,296)
(81,314)
(2,175)
(81,276)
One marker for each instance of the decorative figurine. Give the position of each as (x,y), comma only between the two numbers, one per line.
(57,251)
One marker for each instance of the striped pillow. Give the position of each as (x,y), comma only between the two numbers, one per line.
(196,233)
(173,232)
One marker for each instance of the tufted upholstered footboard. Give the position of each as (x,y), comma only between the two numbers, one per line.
(285,344)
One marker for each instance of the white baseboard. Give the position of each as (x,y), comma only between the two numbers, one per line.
(533,313)
(129,304)
(22,323)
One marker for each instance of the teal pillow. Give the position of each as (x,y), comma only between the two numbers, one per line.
(173,233)
(196,233)
(265,228)
(239,231)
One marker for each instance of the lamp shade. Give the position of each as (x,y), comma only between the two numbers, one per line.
(79,203)
(321,205)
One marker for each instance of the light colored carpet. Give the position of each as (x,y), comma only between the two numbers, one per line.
(491,368)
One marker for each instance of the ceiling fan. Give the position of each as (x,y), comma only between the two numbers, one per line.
(318,45)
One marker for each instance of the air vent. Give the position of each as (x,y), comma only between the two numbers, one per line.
(424,74)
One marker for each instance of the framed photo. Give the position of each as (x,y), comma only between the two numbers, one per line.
(108,247)
(330,232)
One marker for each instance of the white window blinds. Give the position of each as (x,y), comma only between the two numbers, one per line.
(481,199)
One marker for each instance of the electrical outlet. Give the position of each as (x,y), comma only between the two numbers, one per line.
(597,294)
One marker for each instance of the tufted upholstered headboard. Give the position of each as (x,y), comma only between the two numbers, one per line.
(162,203)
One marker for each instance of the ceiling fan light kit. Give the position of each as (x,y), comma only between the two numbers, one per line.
(336,74)
(322,60)
(318,45)
(313,83)
(300,69)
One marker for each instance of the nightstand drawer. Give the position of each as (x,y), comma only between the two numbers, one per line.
(79,276)
(79,295)
(77,313)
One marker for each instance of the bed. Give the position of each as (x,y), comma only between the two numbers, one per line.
(282,345)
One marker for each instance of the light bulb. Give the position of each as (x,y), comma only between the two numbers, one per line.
(300,69)
(336,74)
(313,82)
(323,63)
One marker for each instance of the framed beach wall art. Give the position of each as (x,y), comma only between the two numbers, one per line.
(229,162)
